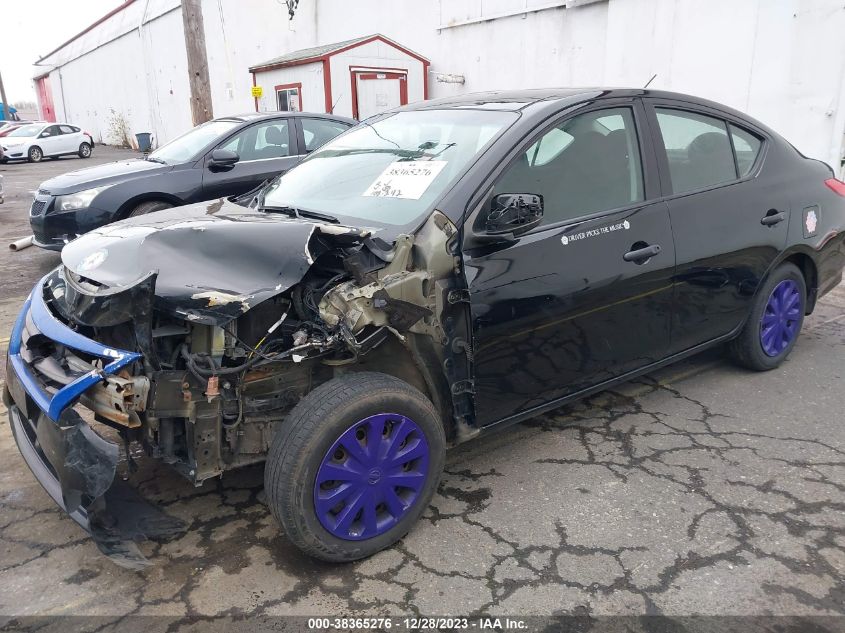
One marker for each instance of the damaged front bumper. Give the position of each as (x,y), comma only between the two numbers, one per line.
(74,464)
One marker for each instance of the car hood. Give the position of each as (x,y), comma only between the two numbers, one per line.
(213,261)
(99,175)
(15,140)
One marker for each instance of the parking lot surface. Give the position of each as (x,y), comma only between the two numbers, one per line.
(699,489)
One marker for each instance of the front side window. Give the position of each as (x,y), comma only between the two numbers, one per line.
(697,149)
(587,164)
(189,145)
(389,171)
(265,140)
(318,132)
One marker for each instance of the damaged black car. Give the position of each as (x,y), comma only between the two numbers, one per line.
(434,273)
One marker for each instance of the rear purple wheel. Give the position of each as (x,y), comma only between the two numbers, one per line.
(371,477)
(781,318)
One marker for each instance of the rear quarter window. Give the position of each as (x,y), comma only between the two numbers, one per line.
(747,148)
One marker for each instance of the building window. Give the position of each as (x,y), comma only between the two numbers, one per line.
(289,97)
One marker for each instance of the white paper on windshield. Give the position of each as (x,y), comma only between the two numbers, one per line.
(406,179)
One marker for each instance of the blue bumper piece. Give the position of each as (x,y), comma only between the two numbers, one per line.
(52,328)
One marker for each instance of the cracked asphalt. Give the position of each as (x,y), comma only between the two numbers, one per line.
(698,489)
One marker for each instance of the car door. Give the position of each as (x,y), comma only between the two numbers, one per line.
(578,300)
(50,140)
(266,149)
(729,217)
(70,139)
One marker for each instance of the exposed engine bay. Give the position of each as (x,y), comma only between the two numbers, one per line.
(222,364)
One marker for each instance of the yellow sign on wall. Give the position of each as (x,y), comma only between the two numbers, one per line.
(257,91)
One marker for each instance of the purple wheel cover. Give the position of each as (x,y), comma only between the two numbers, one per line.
(779,323)
(371,476)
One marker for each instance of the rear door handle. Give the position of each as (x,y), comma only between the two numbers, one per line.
(641,254)
(773,217)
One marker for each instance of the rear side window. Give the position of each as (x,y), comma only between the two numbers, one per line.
(697,149)
(66,129)
(747,147)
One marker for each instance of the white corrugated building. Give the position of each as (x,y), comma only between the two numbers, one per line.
(782,61)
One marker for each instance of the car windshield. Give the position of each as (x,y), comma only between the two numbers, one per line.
(26,130)
(187,146)
(389,171)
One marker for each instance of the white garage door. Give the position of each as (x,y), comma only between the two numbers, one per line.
(379,91)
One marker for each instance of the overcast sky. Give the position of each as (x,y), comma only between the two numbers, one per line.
(33,28)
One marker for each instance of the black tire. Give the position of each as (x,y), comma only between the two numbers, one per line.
(302,440)
(34,155)
(747,349)
(148,207)
(84,150)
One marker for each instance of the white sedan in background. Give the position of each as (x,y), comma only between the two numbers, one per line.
(39,140)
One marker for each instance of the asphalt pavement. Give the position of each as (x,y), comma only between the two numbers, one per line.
(699,489)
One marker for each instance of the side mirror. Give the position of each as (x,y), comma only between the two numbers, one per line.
(44,134)
(513,214)
(223,159)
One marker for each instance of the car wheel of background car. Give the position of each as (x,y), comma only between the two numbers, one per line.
(84,150)
(34,155)
(354,465)
(148,207)
(775,321)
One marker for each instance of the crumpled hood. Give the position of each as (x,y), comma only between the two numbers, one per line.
(99,175)
(213,260)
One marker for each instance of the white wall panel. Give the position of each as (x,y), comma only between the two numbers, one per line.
(782,61)
(309,75)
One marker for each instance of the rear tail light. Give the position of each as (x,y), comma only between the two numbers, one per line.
(837,185)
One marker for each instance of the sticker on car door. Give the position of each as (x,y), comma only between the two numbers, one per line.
(602,230)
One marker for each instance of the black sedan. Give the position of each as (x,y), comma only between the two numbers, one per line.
(445,269)
(224,157)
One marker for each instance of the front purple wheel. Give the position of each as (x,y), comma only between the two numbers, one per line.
(781,318)
(371,476)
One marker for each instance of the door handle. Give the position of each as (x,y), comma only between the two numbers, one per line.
(641,254)
(773,217)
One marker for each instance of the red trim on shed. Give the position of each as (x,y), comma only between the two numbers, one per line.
(256,98)
(297,85)
(324,58)
(327,85)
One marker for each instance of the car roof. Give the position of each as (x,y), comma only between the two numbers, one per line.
(258,116)
(514,100)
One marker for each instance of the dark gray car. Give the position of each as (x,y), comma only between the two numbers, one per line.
(224,157)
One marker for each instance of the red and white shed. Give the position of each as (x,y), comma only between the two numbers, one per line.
(357,78)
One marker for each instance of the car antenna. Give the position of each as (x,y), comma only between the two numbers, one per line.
(648,83)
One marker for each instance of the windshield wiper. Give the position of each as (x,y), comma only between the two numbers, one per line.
(153,159)
(296,212)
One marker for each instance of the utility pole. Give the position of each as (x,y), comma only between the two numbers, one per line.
(201,110)
(6,114)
